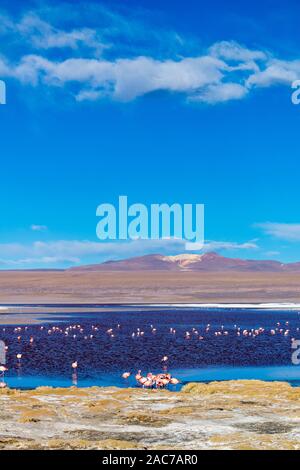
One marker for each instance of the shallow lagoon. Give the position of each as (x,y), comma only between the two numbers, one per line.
(103,357)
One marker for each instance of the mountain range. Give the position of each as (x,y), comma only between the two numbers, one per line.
(207,262)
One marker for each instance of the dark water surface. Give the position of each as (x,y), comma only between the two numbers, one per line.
(103,357)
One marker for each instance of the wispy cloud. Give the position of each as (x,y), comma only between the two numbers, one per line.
(46,261)
(275,72)
(272,254)
(44,36)
(91,28)
(287,232)
(40,34)
(72,252)
(221,92)
(217,246)
(232,51)
(38,228)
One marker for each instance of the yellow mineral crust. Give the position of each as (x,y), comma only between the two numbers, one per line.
(244,414)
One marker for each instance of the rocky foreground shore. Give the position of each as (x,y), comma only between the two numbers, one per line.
(220,415)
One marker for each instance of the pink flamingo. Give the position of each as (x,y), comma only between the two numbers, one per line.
(174,381)
(143,380)
(138,376)
(159,383)
(148,383)
(3,369)
(165,381)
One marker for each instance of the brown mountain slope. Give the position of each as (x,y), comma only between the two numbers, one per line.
(208,262)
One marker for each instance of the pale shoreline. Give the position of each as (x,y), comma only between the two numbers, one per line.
(34,314)
(259,306)
(103,307)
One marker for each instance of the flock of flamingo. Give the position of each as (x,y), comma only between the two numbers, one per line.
(160,380)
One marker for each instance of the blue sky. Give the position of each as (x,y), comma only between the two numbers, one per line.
(171,101)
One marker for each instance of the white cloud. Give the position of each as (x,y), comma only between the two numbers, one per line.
(272,253)
(83,251)
(29,262)
(123,79)
(206,78)
(81,248)
(287,232)
(226,71)
(217,246)
(221,92)
(42,35)
(143,75)
(231,50)
(276,72)
(88,95)
(38,228)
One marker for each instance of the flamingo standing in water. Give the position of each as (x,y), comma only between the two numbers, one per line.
(126,375)
(174,381)
(3,369)
(143,381)
(165,381)
(74,375)
(19,364)
(148,383)
(138,376)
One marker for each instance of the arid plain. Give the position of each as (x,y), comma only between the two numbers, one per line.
(147,287)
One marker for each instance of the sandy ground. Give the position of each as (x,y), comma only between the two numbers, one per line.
(220,415)
(147,287)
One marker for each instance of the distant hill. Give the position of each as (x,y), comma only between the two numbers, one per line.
(207,262)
